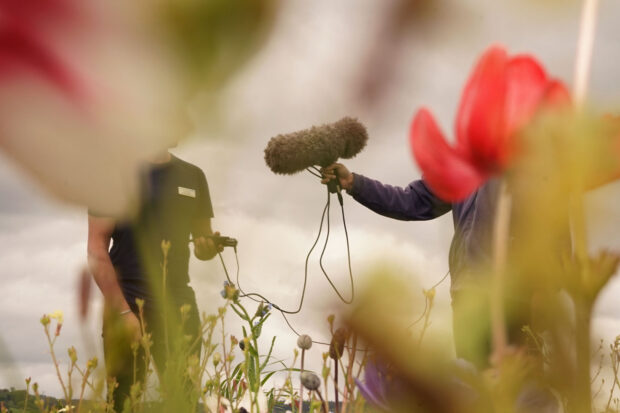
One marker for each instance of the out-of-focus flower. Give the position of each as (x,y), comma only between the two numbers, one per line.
(230,292)
(304,342)
(246,402)
(263,309)
(375,385)
(25,48)
(217,404)
(90,91)
(217,357)
(501,97)
(310,380)
(72,352)
(58,316)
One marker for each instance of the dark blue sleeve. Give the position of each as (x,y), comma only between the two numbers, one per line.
(416,202)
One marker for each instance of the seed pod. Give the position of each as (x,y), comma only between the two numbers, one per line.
(310,380)
(304,342)
(336,347)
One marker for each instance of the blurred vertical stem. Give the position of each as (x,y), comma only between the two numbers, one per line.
(583,306)
(500,246)
(585,44)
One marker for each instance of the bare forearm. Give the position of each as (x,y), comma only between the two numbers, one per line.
(105,278)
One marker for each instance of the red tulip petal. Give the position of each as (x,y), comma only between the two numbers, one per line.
(479,122)
(447,171)
(556,95)
(526,82)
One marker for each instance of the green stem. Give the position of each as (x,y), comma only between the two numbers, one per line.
(500,248)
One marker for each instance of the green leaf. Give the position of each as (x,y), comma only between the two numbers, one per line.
(267,376)
(262,367)
(244,317)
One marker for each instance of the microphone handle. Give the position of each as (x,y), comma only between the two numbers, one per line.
(333,186)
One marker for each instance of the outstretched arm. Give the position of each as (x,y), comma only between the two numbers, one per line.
(415,202)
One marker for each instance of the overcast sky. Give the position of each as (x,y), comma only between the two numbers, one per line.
(311,71)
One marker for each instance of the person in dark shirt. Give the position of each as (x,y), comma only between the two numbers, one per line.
(470,251)
(175,204)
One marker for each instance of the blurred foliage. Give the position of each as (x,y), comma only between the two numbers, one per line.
(213,38)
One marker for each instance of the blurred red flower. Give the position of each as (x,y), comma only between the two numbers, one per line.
(27,46)
(501,96)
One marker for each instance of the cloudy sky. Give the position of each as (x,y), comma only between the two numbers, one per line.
(319,65)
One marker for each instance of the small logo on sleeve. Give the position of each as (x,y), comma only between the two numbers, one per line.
(187,192)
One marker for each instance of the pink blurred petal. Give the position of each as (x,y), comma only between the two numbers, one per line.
(447,171)
(27,48)
(480,119)
(21,54)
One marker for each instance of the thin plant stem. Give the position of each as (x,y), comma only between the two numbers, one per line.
(27,394)
(336,384)
(585,45)
(349,374)
(85,376)
(500,247)
(164,301)
(323,403)
(301,386)
(583,308)
(50,342)
(614,366)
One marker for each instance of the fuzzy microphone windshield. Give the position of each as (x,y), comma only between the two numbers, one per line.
(319,145)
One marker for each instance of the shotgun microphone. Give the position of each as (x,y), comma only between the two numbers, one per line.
(322,145)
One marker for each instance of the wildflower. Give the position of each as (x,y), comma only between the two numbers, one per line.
(500,98)
(375,385)
(92,363)
(217,404)
(304,342)
(217,357)
(229,292)
(262,309)
(72,354)
(430,294)
(45,320)
(310,380)
(58,316)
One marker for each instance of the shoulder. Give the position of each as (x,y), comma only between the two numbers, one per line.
(187,167)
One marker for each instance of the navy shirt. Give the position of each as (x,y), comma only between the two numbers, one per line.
(473,217)
(175,195)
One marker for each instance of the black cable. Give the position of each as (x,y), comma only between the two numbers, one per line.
(314,173)
(261,298)
(303,291)
(348,256)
